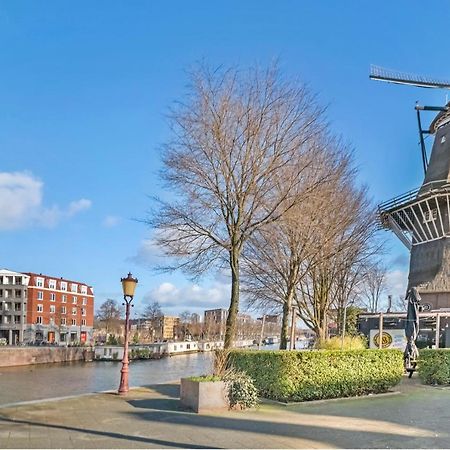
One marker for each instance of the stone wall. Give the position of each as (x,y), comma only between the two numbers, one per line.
(22,356)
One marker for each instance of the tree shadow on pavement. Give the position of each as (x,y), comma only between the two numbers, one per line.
(159,404)
(168,390)
(107,434)
(320,432)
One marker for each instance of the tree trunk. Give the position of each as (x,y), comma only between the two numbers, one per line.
(321,334)
(287,306)
(230,331)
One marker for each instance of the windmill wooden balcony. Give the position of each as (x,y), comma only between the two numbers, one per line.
(419,216)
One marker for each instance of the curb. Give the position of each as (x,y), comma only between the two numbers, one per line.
(267,401)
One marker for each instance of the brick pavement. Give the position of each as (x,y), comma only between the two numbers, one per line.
(417,416)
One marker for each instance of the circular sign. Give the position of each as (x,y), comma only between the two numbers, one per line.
(386,340)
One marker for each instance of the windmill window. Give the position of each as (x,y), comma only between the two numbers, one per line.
(429,216)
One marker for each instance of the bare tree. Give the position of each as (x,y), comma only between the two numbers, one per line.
(241,144)
(374,286)
(110,314)
(185,321)
(330,282)
(282,254)
(152,311)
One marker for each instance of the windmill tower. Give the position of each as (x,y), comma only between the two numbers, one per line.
(421,218)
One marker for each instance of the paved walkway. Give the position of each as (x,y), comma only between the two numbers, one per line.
(417,416)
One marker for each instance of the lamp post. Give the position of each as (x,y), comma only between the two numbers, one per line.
(128,287)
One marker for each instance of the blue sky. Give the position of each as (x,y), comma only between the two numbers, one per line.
(84,88)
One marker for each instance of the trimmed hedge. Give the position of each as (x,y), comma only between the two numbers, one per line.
(434,366)
(311,375)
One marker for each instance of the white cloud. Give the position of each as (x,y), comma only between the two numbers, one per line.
(21,203)
(148,254)
(192,297)
(110,221)
(396,282)
(77,206)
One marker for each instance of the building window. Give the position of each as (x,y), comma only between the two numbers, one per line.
(39,282)
(83,289)
(74,321)
(63,286)
(39,319)
(52,296)
(18,280)
(83,322)
(74,311)
(18,293)
(40,308)
(52,284)
(83,311)
(63,310)
(16,319)
(40,295)
(64,299)
(17,306)
(73,287)
(84,301)
(74,300)
(52,308)
(63,320)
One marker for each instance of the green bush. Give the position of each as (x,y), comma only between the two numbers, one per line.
(242,391)
(350,343)
(311,375)
(434,366)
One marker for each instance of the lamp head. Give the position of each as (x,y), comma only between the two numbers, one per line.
(129,285)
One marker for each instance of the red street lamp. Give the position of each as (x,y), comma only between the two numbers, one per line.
(128,287)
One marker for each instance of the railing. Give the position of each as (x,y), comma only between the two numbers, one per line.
(399,200)
(413,194)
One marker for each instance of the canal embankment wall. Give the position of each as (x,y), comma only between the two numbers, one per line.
(23,356)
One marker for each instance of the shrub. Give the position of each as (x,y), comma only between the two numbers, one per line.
(311,375)
(220,362)
(350,343)
(434,366)
(112,340)
(241,390)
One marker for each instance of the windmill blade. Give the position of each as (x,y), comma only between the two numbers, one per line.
(392,76)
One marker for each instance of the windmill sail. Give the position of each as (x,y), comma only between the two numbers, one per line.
(392,76)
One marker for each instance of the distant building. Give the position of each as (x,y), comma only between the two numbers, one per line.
(59,310)
(244,318)
(167,327)
(216,316)
(13,306)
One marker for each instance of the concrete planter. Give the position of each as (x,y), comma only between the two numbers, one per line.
(202,396)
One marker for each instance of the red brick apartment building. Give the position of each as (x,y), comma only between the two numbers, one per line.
(58,310)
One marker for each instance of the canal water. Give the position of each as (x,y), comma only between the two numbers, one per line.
(43,381)
(25,383)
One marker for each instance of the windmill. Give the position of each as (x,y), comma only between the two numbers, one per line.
(421,218)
